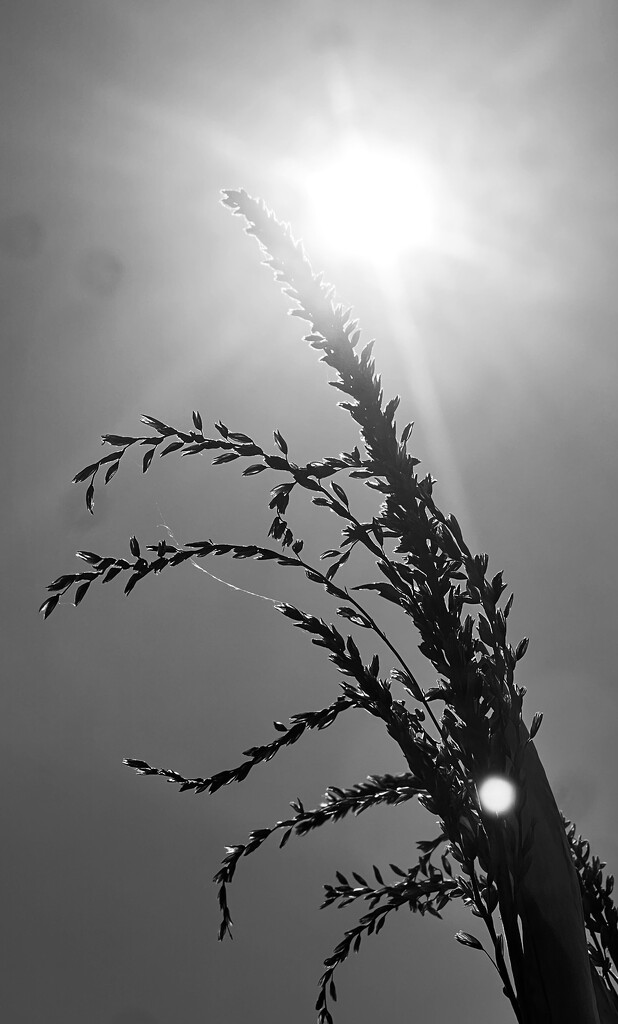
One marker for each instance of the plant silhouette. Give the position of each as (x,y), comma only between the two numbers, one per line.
(526,864)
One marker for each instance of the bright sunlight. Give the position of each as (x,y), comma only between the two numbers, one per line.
(375,204)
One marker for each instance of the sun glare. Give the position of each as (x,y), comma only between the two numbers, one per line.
(375,204)
(497,795)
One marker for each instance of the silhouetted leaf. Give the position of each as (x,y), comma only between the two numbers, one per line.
(468,940)
(280,442)
(521,648)
(339,491)
(226,457)
(111,472)
(81,592)
(115,569)
(162,428)
(276,462)
(85,473)
(61,583)
(405,433)
(49,604)
(536,724)
(117,439)
(90,499)
(284,838)
(173,447)
(135,578)
(89,556)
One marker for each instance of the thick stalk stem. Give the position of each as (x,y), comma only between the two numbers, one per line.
(557,984)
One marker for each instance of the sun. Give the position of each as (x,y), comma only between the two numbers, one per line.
(497,795)
(375,203)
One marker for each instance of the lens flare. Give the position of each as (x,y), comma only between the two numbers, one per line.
(497,795)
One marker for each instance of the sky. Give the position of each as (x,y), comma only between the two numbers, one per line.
(128,289)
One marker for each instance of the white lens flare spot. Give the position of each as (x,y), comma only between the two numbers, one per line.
(374,204)
(497,795)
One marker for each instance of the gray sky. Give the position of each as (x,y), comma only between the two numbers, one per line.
(127,289)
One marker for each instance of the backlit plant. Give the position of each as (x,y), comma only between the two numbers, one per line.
(427,570)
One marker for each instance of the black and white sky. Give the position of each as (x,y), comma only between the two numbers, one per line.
(127,289)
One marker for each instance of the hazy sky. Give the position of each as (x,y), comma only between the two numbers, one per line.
(127,289)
